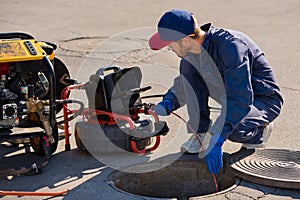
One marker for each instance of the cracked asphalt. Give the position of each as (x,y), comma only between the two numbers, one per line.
(91,34)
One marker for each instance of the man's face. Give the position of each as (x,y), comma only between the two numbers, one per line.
(180,47)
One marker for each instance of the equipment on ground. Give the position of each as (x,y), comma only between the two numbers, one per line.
(35,86)
(32,79)
(116,119)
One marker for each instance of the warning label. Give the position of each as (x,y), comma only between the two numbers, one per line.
(11,49)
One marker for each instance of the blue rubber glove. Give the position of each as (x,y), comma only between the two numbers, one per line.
(164,107)
(214,154)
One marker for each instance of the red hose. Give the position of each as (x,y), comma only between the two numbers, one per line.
(195,134)
(215,182)
(190,127)
(23,193)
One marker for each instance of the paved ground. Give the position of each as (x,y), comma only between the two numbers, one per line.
(79,27)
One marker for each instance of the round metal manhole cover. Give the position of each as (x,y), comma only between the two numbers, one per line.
(271,167)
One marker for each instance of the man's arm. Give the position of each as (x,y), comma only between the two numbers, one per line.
(236,58)
(176,94)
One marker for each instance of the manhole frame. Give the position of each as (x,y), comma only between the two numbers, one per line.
(111,183)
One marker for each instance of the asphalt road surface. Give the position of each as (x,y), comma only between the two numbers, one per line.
(91,34)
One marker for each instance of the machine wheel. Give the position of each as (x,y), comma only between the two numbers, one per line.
(78,141)
(37,143)
(61,74)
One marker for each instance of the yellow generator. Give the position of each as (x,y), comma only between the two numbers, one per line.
(31,81)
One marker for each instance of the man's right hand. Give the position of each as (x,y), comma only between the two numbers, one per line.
(214,154)
(164,107)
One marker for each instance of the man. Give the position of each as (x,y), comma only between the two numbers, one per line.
(227,66)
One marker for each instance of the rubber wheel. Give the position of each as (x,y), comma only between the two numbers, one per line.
(37,143)
(78,141)
(61,71)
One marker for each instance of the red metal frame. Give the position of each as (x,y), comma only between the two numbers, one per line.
(66,111)
(87,115)
(157,138)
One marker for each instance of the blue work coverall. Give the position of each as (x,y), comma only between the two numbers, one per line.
(232,70)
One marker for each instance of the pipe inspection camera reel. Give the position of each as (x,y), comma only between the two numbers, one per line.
(116,119)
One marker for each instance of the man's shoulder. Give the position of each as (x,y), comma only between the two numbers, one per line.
(215,36)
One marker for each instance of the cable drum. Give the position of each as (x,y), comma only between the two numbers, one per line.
(271,167)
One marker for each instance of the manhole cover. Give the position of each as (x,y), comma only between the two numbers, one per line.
(184,178)
(271,167)
(82,44)
(102,44)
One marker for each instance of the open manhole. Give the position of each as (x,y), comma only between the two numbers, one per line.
(184,178)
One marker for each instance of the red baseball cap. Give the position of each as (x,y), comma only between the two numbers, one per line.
(172,26)
(156,43)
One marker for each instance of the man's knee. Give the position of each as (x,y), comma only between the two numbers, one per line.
(247,135)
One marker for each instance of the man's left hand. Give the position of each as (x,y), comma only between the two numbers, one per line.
(214,154)
(164,107)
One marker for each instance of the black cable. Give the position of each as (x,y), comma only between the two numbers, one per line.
(153,96)
(162,95)
(68,101)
